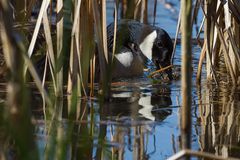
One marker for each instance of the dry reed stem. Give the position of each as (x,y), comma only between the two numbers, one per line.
(212,58)
(102,58)
(80,68)
(45,72)
(226,56)
(186,78)
(137,8)
(43,9)
(176,36)
(71,72)
(155,12)
(87,43)
(236,49)
(50,50)
(48,36)
(51,71)
(208,34)
(199,32)
(227,44)
(105,73)
(144,12)
(75,51)
(115,32)
(104,30)
(76,18)
(227,17)
(195,11)
(200,63)
(59,65)
(92,74)
(228,26)
(235,11)
(211,44)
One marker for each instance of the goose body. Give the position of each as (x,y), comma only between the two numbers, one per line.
(136,43)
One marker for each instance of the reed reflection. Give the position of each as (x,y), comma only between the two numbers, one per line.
(219,112)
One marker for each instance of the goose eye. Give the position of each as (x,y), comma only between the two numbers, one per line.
(159,44)
(133,46)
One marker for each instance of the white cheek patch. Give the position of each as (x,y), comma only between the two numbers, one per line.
(147,44)
(125,58)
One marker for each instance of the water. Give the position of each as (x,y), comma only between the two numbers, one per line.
(141,121)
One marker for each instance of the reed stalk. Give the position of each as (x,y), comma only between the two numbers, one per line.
(200,63)
(141,11)
(87,42)
(155,12)
(59,64)
(221,18)
(105,69)
(176,36)
(43,10)
(17,117)
(74,61)
(186,84)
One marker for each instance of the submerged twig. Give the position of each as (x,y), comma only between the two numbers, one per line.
(158,71)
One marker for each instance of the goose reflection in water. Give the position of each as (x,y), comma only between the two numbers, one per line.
(140,103)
